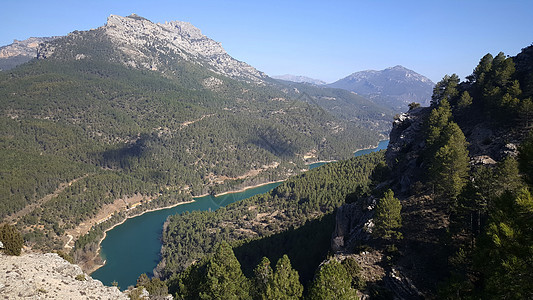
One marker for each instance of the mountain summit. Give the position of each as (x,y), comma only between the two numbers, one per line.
(138,42)
(393,87)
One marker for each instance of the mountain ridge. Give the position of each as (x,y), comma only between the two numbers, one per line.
(140,43)
(299,79)
(20,52)
(394,87)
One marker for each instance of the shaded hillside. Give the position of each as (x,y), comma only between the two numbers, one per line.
(299,79)
(466,205)
(343,104)
(450,216)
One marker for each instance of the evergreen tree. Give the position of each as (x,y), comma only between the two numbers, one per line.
(332,281)
(465,100)
(505,256)
(142,280)
(388,216)
(450,166)
(445,89)
(262,277)
(11,239)
(354,270)
(224,277)
(156,288)
(439,118)
(526,113)
(525,158)
(285,283)
(484,66)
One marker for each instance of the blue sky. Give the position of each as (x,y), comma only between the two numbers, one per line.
(326,40)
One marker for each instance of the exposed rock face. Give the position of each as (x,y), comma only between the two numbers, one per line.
(156,46)
(393,87)
(20,51)
(48,276)
(353,224)
(406,142)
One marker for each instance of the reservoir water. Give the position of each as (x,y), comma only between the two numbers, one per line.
(133,247)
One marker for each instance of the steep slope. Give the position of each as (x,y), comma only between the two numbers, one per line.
(48,276)
(20,52)
(466,238)
(392,87)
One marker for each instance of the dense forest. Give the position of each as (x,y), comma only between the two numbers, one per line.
(295,219)
(79,134)
(468,201)
(490,205)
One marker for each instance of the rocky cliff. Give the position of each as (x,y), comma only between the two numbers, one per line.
(48,276)
(144,44)
(20,51)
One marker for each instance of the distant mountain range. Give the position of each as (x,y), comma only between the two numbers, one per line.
(299,79)
(173,42)
(393,87)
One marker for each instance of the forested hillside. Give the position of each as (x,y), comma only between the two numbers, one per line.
(463,169)
(262,225)
(455,223)
(89,129)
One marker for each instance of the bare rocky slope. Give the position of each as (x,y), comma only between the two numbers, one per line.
(48,276)
(20,52)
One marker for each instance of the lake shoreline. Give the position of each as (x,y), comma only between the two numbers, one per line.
(98,253)
(98,266)
(355,151)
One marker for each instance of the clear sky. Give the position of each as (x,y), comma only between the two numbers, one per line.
(326,40)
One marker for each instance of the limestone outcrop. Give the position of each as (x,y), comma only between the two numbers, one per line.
(140,43)
(48,276)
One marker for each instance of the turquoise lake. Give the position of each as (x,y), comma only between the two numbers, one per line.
(133,247)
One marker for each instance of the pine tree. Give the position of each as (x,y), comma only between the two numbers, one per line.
(445,89)
(354,271)
(450,165)
(11,239)
(262,277)
(388,216)
(439,118)
(484,66)
(505,255)
(332,281)
(285,283)
(465,100)
(525,158)
(224,277)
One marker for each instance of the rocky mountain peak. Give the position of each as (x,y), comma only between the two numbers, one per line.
(140,43)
